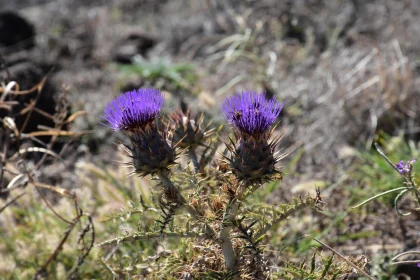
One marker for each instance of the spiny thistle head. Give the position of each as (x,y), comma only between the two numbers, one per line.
(134,109)
(135,113)
(252,154)
(152,152)
(188,131)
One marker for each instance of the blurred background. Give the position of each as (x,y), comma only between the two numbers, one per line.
(349,71)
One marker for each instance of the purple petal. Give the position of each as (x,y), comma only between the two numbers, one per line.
(251,112)
(134,109)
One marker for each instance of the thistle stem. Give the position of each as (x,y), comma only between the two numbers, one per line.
(227,224)
(166,181)
(227,246)
(194,159)
(163,177)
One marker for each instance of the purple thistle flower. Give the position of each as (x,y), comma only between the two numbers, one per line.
(251,112)
(134,109)
(405,167)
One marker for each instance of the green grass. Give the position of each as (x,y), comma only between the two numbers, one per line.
(161,72)
(31,232)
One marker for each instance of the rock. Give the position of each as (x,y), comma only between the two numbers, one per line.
(134,44)
(16,32)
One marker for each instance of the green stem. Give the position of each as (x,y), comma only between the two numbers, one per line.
(379,195)
(397,198)
(389,161)
(406,262)
(406,253)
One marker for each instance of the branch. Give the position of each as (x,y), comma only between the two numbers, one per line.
(343,258)
(140,236)
(283,216)
(11,201)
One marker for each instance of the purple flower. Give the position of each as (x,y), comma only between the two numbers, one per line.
(251,112)
(405,167)
(134,109)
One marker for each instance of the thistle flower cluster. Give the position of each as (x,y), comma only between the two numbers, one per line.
(405,167)
(250,113)
(188,130)
(252,157)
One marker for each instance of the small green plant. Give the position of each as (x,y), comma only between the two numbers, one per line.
(161,72)
(405,169)
(376,175)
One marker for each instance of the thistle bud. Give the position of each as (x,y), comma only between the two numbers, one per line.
(135,113)
(188,130)
(252,154)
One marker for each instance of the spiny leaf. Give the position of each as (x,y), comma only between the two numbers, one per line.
(258,240)
(313,262)
(327,266)
(252,224)
(335,275)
